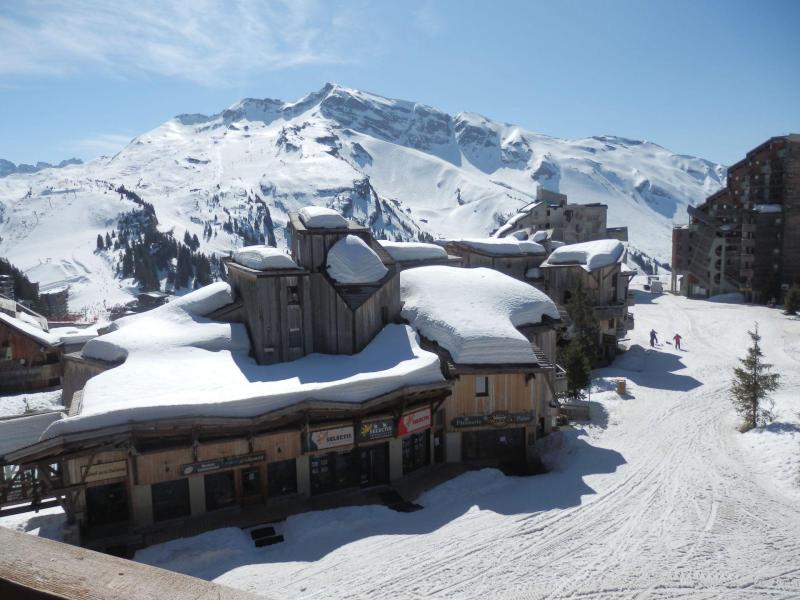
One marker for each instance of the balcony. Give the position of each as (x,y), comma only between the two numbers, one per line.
(560,381)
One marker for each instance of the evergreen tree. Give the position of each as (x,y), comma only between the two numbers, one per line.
(108,240)
(579,370)
(584,324)
(752,383)
(792,301)
(100,243)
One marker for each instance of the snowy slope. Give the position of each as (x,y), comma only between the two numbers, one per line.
(405,168)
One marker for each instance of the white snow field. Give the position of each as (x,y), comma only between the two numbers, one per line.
(658,497)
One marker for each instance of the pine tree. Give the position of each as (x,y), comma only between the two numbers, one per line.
(100,243)
(584,324)
(108,240)
(579,369)
(752,384)
(792,301)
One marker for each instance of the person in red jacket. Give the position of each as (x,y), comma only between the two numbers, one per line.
(677,339)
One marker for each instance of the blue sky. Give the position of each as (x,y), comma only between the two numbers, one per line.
(710,78)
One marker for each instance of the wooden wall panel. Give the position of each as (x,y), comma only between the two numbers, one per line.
(507,392)
(161,466)
(278,446)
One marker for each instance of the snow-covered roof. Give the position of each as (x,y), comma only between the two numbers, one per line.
(411,251)
(180,323)
(78,335)
(352,261)
(502,246)
(589,255)
(186,381)
(34,332)
(473,313)
(263,258)
(24,431)
(30,403)
(540,236)
(768,208)
(319,217)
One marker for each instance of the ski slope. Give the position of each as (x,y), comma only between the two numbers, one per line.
(659,497)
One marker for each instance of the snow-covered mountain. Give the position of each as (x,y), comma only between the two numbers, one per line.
(9,168)
(406,169)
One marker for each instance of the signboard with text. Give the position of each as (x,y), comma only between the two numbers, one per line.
(330,438)
(107,470)
(498,418)
(376,430)
(217,464)
(415,421)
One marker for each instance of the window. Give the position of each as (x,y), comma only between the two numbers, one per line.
(292,295)
(106,504)
(416,451)
(481,386)
(281,478)
(220,490)
(251,483)
(170,499)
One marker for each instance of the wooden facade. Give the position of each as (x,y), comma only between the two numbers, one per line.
(27,364)
(513,265)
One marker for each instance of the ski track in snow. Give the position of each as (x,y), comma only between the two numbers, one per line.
(682,515)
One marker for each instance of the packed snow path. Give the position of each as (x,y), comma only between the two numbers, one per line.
(656,499)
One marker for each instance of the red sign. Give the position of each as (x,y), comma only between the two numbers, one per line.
(415,421)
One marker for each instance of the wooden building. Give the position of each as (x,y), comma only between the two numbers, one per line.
(520,261)
(564,222)
(133,481)
(606,283)
(743,237)
(30,358)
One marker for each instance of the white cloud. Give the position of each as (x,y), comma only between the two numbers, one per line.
(210,42)
(102,144)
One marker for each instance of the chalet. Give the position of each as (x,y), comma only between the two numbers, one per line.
(552,215)
(304,375)
(496,340)
(516,258)
(599,267)
(30,356)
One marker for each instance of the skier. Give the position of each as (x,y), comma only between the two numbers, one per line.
(677,339)
(653,338)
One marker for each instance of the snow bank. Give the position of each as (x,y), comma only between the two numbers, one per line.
(319,217)
(162,381)
(76,335)
(351,260)
(177,324)
(30,320)
(503,246)
(540,236)
(473,313)
(590,255)
(262,258)
(32,331)
(31,402)
(411,251)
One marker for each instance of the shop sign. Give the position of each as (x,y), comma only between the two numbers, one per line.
(500,418)
(415,421)
(376,430)
(108,470)
(227,462)
(330,438)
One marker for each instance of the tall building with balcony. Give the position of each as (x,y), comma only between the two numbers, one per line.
(746,237)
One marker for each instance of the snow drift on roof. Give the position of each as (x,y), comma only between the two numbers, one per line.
(540,236)
(504,246)
(174,382)
(410,251)
(319,217)
(589,255)
(351,260)
(473,313)
(24,431)
(177,324)
(263,258)
(77,335)
(34,332)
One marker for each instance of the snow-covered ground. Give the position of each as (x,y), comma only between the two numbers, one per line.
(658,497)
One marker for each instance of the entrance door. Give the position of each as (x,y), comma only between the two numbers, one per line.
(252,492)
(416,451)
(374,465)
(107,504)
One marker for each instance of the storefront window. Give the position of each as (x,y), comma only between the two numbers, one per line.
(282,478)
(170,499)
(500,444)
(251,483)
(106,504)
(220,490)
(363,466)
(416,451)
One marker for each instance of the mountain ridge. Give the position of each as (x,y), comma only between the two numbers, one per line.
(406,169)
